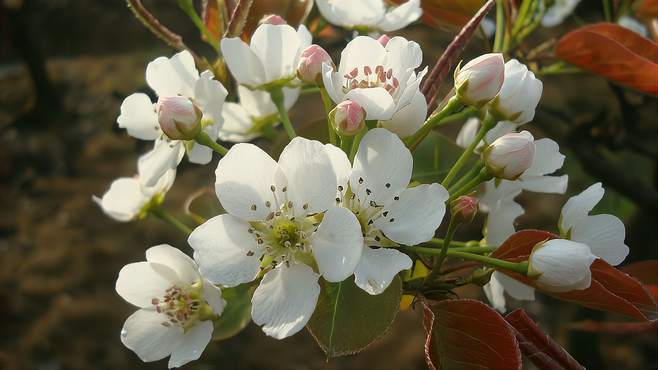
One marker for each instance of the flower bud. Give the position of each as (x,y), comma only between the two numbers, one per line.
(519,96)
(561,265)
(272,19)
(510,155)
(311,59)
(464,209)
(480,80)
(179,118)
(384,39)
(348,118)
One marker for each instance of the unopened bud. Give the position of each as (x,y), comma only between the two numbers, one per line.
(464,209)
(348,118)
(480,80)
(561,265)
(179,118)
(519,95)
(272,19)
(384,39)
(310,64)
(510,155)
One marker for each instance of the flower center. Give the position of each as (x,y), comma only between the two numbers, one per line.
(183,306)
(369,77)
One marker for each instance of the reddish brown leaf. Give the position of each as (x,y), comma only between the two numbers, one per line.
(647,9)
(293,11)
(539,347)
(449,14)
(465,334)
(615,327)
(212,18)
(613,52)
(645,271)
(611,290)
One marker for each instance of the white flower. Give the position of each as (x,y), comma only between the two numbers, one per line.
(500,283)
(558,12)
(519,95)
(382,80)
(633,25)
(176,307)
(172,77)
(128,199)
(480,80)
(560,265)
(275,226)
(375,190)
(509,156)
(369,15)
(246,120)
(604,234)
(470,129)
(270,59)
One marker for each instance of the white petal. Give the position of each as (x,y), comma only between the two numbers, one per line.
(376,101)
(192,344)
(245,176)
(209,95)
(417,214)
(165,156)
(338,244)
(548,158)
(501,217)
(243,62)
(378,267)
(409,119)
(285,300)
(468,132)
(225,250)
(305,39)
(124,199)
(384,163)
(332,83)
(213,295)
(237,123)
(400,16)
(502,128)
(340,164)
(352,13)
(311,180)
(579,206)
(402,55)
(175,259)
(199,154)
(605,235)
(515,288)
(545,184)
(173,76)
(138,117)
(277,46)
(495,294)
(138,283)
(145,335)
(360,52)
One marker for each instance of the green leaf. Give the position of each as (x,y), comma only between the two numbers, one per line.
(347,319)
(237,312)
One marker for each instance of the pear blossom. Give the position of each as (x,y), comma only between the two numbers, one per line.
(369,15)
(560,265)
(375,189)
(519,95)
(309,68)
(510,155)
(280,224)
(501,283)
(382,80)
(480,80)
(172,78)
(633,25)
(348,118)
(128,199)
(272,57)
(246,120)
(558,12)
(176,307)
(471,127)
(603,233)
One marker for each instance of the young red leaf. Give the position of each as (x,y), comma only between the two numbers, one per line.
(616,327)
(613,52)
(537,346)
(465,334)
(212,18)
(645,271)
(449,14)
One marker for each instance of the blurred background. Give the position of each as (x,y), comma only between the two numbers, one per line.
(65,67)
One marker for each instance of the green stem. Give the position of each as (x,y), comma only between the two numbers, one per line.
(452,227)
(188,7)
(345,143)
(606,10)
(203,139)
(521,18)
(500,26)
(355,143)
(440,242)
(277,98)
(310,90)
(435,251)
(171,220)
(521,267)
(483,176)
(328,106)
(433,121)
(467,177)
(487,124)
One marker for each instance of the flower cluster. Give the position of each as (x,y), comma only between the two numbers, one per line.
(345,211)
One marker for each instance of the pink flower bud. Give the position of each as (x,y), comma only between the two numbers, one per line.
(510,155)
(272,19)
(348,118)
(480,80)
(311,59)
(464,209)
(384,39)
(179,118)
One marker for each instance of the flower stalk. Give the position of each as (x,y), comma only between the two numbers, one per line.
(203,139)
(171,220)
(453,105)
(277,98)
